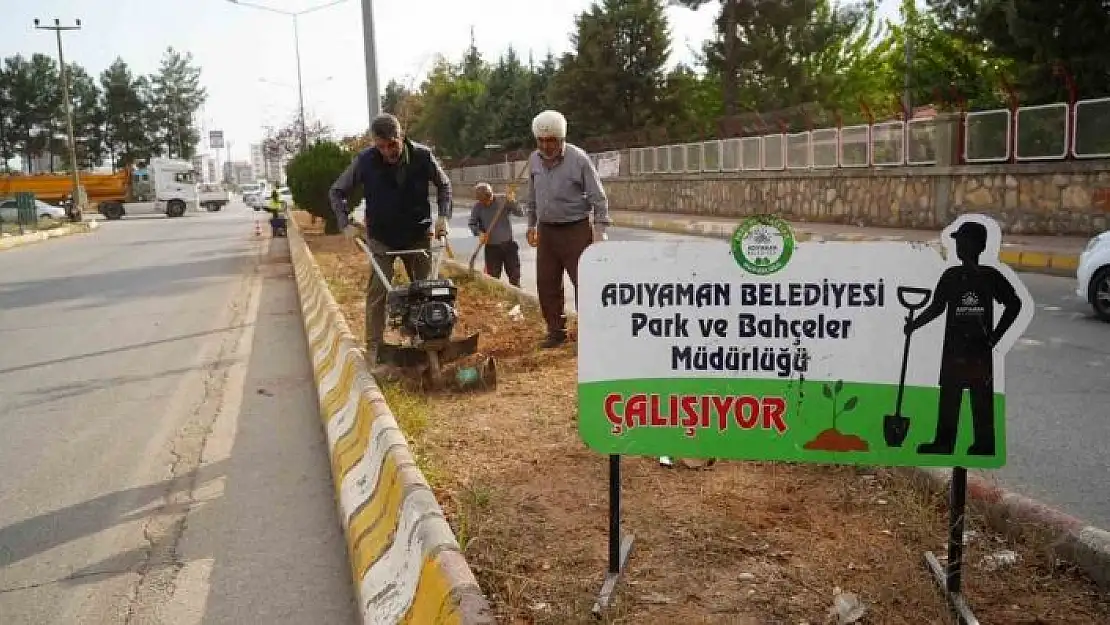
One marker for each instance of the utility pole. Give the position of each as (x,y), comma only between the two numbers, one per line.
(373,96)
(907,45)
(76,205)
(300,85)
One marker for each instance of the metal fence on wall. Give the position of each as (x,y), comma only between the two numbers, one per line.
(1049,132)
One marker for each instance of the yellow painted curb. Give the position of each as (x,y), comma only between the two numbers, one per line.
(405,561)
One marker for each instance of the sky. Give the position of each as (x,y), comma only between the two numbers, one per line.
(247,55)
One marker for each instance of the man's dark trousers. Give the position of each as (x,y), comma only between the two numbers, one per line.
(503,256)
(417,266)
(560,247)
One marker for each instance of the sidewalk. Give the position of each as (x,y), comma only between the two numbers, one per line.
(1040,254)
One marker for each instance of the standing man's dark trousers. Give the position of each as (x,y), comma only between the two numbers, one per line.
(560,247)
(417,266)
(504,256)
(976,378)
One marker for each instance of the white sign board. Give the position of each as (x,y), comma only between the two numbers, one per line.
(216,139)
(767,348)
(609,164)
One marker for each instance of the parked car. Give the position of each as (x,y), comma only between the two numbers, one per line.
(9,213)
(1093,275)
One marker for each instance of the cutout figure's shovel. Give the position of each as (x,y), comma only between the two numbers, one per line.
(896,426)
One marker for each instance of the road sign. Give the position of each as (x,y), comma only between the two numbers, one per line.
(216,139)
(767,348)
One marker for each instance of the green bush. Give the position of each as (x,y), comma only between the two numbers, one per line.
(312,172)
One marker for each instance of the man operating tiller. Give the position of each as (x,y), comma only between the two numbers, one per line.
(394,174)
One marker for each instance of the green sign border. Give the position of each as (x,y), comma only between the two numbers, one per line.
(737,240)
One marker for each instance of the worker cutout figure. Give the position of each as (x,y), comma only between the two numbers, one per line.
(966,294)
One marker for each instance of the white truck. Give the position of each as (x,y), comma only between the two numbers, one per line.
(213,196)
(165,186)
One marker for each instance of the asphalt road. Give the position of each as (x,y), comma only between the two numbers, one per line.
(1057,381)
(161,453)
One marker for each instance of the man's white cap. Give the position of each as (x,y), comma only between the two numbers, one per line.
(483,186)
(550,124)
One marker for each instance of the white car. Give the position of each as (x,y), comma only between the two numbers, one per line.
(286,196)
(1093,275)
(10,214)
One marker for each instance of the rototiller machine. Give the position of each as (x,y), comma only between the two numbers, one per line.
(425,315)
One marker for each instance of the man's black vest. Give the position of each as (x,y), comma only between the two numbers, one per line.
(398,212)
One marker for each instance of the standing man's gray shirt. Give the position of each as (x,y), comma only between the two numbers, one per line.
(481,217)
(569,191)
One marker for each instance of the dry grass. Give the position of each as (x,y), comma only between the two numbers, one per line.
(736,543)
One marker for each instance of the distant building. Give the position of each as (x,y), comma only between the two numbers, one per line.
(239,173)
(258,160)
(205,165)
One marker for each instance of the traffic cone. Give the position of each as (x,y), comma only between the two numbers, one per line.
(257,228)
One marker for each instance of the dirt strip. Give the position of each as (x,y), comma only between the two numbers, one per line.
(736,543)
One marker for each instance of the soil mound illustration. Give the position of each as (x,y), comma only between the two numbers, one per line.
(833,440)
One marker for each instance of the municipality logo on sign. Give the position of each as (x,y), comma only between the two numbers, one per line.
(762,244)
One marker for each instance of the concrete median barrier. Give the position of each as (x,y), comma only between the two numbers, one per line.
(8,242)
(406,564)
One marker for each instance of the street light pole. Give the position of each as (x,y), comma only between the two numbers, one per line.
(296,45)
(300,83)
(76,204)
(373,98)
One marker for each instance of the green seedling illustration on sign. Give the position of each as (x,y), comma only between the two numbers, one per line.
(833,439)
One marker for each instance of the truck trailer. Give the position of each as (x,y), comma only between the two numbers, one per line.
(165,186)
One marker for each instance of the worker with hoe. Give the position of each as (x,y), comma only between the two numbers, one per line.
(394,174)
(489,221)
(564,191)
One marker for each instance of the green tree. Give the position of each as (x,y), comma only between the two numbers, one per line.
(940,61)
(1036,35)
(806,55)
(508,98)
(394,94)
(34,99)
(692,105)
(178,96)
(539,91)
(453,117)
(7,113)
(88,118)
(126,137)
(310,176)
(615,78)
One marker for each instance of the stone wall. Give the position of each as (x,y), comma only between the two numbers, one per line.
(1061,198)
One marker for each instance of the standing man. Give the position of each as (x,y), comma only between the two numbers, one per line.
(564,191)
(489,221)
(967,293)
(394,174)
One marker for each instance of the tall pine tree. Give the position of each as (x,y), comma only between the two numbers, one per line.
(1036,35)
(178,97)
(615,78)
